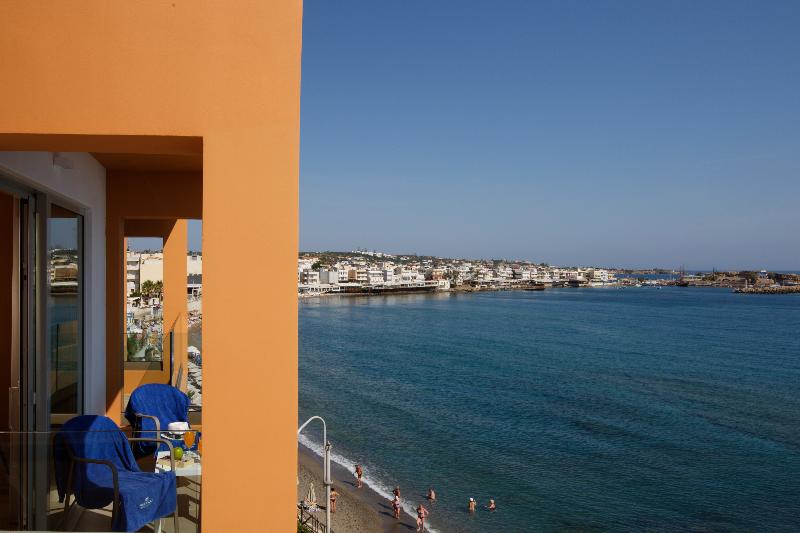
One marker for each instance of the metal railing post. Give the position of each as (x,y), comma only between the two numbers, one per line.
(326,467)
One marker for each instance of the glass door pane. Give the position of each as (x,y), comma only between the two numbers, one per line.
(65,309)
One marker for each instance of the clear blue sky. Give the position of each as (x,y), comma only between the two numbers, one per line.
(612,133)
(195,243)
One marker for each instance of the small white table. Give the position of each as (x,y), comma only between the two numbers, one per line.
(183,468)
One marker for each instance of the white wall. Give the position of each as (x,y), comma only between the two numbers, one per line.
(84,186)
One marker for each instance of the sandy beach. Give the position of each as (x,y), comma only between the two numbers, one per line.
(357,510)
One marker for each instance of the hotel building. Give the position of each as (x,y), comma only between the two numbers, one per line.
(128,120)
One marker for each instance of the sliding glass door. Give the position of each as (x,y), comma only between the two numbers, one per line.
(64,312)
(42,356)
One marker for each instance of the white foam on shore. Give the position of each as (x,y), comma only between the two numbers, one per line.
(383,489)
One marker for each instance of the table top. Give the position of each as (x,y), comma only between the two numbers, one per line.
(189,465)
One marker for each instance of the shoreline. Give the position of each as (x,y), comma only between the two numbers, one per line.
(361,510)
(794,289)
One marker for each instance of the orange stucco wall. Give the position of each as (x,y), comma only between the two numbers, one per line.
(228,72)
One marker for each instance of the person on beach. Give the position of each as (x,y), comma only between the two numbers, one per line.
(422,513)
(492,506)
(334,495)
(359,473)
(472,505)
(396,506)
(396,491)
(431,495)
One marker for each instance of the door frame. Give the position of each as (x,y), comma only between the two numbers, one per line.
(35,421)
(23,450)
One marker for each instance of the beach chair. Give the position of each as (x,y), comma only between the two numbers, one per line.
(151,408)
(94,462)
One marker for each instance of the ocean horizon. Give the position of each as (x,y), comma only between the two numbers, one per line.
(575,409)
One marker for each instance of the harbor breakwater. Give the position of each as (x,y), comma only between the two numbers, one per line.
(791,289)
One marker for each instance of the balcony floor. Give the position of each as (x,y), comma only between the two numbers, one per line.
(81,519)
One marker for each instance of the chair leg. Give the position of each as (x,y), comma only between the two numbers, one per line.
(66,496)
(113,514)
(158,526)
(63,524)
(175,517)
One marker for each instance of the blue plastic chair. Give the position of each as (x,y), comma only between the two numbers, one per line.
(151,408)
(94,462)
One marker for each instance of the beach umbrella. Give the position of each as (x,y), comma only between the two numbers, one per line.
(311,497)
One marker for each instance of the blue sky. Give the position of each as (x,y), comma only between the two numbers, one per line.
(613,133)
(195,239)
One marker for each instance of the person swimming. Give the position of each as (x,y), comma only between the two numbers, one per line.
(472,505)
(431,495)
(492,506)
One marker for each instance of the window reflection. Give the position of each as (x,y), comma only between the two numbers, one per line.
(64,301)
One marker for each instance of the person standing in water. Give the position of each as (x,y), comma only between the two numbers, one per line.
(472,505)
(396,506)
(422,513)
(359,473)
(334,495)
(431,495)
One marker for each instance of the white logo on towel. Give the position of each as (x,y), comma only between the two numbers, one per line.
(146,503)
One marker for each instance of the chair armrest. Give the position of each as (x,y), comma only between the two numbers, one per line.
(155,419)
(163,441)
(114,475)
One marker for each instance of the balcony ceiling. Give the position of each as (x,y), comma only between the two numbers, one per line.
(151,162)
(150,153)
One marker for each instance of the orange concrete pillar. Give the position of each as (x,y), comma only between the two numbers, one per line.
(176,305)
(250,325)
(115,313)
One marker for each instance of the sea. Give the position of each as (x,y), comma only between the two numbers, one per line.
(595,409)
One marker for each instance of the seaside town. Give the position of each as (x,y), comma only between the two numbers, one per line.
(363,272)
(144,330)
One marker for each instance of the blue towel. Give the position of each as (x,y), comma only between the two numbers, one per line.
(144,496)
(166,403)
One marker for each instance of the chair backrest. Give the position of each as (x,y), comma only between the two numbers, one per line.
(165,402)
(90,437)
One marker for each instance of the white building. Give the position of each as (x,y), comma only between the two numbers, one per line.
(305,263)
(598,276)
(330,276)
(151,268)
(375,277)
(522,273)
(194,264)
(309,277)
(132,272)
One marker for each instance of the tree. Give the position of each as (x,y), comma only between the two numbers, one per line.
(150,289)
(147,288)
(133,344)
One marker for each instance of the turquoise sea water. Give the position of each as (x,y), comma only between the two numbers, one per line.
(576,409)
